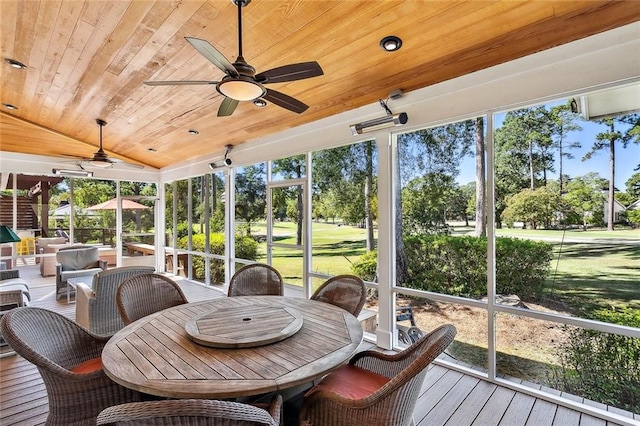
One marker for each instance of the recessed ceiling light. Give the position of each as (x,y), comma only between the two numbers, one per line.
(260,103)
(15,64)
(193,132)
(9,106)
(390,43)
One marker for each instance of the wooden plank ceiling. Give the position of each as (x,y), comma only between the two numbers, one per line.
(88,59)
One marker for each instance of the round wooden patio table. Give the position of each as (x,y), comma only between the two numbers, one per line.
(156,355)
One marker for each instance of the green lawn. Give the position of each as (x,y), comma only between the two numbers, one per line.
(595,275)
(589,269)
(335,247)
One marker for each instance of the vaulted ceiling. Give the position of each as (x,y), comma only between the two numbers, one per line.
(88,59)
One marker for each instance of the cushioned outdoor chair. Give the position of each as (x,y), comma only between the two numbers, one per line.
(256,280)
(375,389)
(74,262)
(345,291)
(197,412)
(145,294)
(14,291)
(68,358)
(96,307)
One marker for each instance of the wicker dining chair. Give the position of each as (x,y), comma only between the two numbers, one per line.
(256,279)
(68,359)
(197,412)
(345,291)
(375,389)
(145,294)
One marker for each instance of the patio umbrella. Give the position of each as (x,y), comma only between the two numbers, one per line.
(126,205)
(112,204)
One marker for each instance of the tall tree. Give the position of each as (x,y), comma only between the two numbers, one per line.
(585,199)
(425,203)
(620,130)
(563,123)
(436,151)
(526,133)
(294,168)
(349,172)
(251,194)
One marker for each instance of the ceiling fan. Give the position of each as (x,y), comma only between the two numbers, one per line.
(241,83)
(100,158)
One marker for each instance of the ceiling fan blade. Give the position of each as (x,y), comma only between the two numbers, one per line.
(227,107)
(290,72)
(119,162)
(178,82)
(207,50)
(77,157)
(285,101)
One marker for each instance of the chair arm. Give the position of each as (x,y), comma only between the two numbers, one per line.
(84,298)
(102,264)
(388,365)
(9,273)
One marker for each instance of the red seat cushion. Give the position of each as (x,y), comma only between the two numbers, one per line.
(89,366)
(351,382)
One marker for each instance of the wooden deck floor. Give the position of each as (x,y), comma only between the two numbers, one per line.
(448,397)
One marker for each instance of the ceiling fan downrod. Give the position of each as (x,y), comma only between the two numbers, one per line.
(100,123)
(240,4)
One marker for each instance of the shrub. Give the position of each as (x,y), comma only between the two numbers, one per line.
(601,366)
(182,229)
(246,248)
(366,267)
(522,267)
(458,265)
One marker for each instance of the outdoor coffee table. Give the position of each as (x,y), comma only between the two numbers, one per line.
(72,283)
(156,355)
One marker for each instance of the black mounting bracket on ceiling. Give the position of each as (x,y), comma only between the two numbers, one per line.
(227,150)
(389,120)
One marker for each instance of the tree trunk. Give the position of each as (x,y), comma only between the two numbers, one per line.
(368,183)
(481,217)
(531,170)
(402,275)
(612,176)
(560,165)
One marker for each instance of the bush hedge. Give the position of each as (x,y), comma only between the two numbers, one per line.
(458,265)
(366,266)
(246,248)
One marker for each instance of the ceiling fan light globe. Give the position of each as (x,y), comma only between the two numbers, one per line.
(240,90)
(100,164)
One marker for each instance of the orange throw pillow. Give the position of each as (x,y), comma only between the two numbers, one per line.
(89,366)
(351,382)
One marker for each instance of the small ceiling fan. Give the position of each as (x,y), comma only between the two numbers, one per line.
(241,83)
(100,158)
